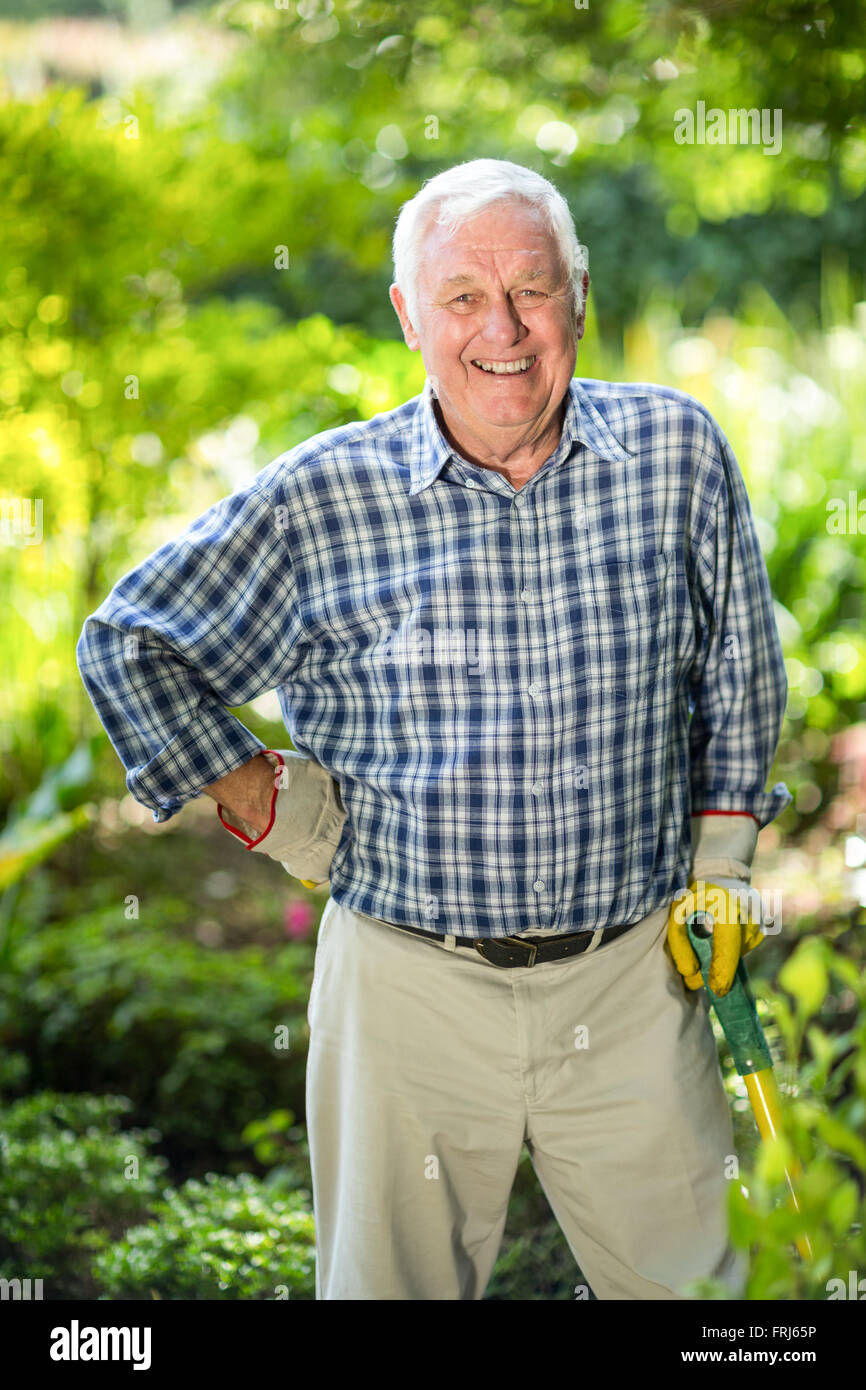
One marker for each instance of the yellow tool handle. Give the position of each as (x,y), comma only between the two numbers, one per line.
(763,1093)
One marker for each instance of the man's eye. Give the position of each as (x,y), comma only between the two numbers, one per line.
(533,294)
(463,299)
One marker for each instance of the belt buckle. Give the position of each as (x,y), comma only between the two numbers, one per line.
(529,946)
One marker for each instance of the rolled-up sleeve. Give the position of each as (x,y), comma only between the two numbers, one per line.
(738,681)
(209,620)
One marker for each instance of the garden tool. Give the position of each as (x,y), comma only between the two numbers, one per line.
(738,1017)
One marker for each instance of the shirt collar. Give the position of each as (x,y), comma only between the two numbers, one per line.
(583,423)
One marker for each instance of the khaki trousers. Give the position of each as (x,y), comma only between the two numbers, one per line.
(429,1068)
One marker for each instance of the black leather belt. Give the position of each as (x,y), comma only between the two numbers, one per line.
(513,950)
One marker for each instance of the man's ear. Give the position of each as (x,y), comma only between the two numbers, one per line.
(580,322)
(411,337)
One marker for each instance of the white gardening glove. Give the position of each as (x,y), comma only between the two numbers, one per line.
(723,844)
(307,817)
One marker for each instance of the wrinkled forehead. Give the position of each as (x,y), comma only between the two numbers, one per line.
(510,240)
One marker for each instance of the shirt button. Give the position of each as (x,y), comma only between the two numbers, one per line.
(538,885)
(536,789)
(534,689)
(470,482)
(526,595)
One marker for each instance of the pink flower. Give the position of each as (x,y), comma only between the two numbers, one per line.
(298,918)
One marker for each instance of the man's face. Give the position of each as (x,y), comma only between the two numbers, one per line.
(495,324)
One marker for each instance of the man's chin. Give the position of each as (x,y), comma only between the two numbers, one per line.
(485,418)
(507,413)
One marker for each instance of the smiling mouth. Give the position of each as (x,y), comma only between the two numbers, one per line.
(515,368)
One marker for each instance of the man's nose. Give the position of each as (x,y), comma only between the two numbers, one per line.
(501,322)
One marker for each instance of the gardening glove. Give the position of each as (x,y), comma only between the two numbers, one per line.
(307,817)
(723,847)
(736,922)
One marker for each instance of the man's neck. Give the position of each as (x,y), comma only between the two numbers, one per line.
(516,465)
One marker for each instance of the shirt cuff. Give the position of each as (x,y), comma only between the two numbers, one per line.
(191,761)
(764,806)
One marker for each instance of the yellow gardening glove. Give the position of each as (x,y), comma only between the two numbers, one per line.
(736,929)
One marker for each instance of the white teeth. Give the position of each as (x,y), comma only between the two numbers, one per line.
(504,368)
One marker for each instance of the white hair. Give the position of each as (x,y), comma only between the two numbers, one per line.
(457,194)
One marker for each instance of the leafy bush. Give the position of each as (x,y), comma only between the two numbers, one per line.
(221,1238)
(823,1146)
(282,1147)
(72,1184)
(189,1034)
(71,1181)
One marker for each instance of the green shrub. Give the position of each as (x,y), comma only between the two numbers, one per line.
(822,1077)
(220,1238)
(71,1181)
(188,1033)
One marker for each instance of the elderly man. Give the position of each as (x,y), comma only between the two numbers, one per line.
(524,644)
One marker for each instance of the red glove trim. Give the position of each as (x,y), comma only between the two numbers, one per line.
(726,813)
(250,844)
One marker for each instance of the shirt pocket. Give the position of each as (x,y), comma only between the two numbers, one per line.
(628,623)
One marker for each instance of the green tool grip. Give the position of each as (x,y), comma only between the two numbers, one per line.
(736,1012)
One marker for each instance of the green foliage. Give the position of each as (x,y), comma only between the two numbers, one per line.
(187,1033)
(220,1238)
(588,96)
(70,1181)
(75,1190)
(822,1147)
(31,845)
(47,819)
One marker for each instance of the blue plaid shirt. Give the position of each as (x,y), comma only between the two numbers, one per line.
(523,695)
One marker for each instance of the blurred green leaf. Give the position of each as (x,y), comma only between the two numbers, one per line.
(804,975)
(30,843)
